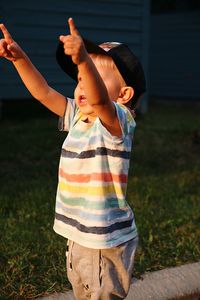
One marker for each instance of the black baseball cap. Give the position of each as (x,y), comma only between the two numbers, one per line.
(125,60)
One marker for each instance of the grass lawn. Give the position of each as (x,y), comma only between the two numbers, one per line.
(164,190)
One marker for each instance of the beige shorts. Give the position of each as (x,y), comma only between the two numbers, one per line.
(100,274)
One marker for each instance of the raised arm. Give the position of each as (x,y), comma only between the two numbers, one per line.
(94,87)
(31,77)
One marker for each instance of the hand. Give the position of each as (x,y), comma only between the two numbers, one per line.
(9,49)
(73,44)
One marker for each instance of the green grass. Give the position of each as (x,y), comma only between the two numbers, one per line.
(163,190)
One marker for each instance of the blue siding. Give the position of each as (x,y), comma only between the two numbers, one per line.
(37,27)
(174,58)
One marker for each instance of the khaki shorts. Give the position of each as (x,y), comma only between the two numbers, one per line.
(101,274)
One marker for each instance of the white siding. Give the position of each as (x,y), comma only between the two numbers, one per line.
(174,58)
(36,25)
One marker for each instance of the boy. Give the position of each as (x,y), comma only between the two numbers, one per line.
(91,208)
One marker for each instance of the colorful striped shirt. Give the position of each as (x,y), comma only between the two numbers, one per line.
(91,206)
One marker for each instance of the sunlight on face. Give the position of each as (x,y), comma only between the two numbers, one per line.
(111,78)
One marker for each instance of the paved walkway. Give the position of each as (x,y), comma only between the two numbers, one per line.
(180,283)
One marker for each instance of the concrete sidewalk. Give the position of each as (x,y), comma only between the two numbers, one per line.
(180,283)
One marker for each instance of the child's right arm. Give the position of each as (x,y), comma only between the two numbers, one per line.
(31,77)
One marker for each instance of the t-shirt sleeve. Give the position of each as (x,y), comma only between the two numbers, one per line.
(66,121)
(126,120)
(127,124)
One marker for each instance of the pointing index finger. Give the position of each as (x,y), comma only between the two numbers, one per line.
(72,28)
(6,34)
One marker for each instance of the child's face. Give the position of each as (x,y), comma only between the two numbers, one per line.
(111,81)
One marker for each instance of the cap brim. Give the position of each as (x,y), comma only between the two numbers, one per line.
(127,63)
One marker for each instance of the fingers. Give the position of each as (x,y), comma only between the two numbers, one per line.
(62,38)
(6,34)
(72,28)
(73,32)
(6,51)
(3,48)
(73,44)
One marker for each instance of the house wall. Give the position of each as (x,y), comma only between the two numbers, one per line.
(36,26)
(174,55)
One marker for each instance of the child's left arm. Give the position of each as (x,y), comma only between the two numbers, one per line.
(94,87)
(31,77)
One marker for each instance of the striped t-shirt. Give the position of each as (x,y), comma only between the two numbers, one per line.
(91,206)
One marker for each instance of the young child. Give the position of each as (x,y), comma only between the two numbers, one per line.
(91,207)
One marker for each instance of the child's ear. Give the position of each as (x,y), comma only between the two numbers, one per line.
(126,94)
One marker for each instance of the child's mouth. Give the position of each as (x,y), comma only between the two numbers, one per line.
(82,99)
